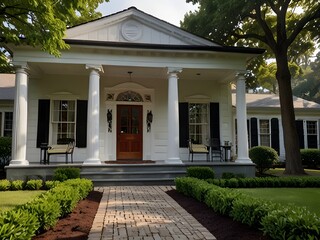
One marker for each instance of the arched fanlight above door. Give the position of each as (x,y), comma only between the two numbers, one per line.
(129,96)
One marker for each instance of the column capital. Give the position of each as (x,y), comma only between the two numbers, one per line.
(95,67)
(240,75)
(20,67)
(173,70)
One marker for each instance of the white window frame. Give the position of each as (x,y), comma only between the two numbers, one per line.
(264,134)
(205,136)
(305,131)
(53,132)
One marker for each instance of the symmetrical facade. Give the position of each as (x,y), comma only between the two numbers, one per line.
(130,87)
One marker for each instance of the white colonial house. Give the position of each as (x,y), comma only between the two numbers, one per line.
(7,82)
(131,86)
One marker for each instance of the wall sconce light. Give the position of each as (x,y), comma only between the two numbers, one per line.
(149,120)
(109,120)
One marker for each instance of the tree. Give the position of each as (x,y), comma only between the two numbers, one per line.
(42,22)
(308,87)
(278,26)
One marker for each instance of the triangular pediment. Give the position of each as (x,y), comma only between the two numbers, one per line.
(134,26)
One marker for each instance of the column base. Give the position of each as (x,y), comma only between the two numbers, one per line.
(19,162)
(92,161)
(173,161)
(243,160)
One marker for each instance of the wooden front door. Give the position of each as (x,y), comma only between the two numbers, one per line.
(129,132)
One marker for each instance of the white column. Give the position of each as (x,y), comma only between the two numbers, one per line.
(173,116)
(93,146)
(20,117)
(243,151)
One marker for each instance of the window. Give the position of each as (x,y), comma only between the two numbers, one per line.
(63,119)
(8,123)
(199,122)
(264,132)
(312,134)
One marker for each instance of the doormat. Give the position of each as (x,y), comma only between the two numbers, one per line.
(129,162)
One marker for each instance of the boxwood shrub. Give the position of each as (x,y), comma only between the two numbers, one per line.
(264,157)
(296,182)
(276,220)
(310,157)
(63,174)
(200,172)
(25,221)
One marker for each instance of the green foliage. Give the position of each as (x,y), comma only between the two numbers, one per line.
(310,157)
(5,151)
(62,174)
(42,23)
(276,220)
(4,185)
(269,182)
(228,175)
(17,185)
(18,225)
(250,210)
(51,184)
(42,213)
(34,184)
(290,222)
(264,157)
(200,172)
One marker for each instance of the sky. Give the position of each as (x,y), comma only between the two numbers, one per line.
(171,11)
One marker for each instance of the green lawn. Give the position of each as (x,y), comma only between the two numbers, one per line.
(279,172)
(308,197)
(10,199)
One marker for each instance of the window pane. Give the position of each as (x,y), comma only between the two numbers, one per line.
(198,122)
(312,127)
(63,117)
(8,123)
(264,127)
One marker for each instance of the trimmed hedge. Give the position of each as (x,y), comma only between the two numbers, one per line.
(200,172)
(63,174)
(25,221)
(270,182)
(276,220)
(310,157)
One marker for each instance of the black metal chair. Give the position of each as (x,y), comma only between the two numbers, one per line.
(215,149)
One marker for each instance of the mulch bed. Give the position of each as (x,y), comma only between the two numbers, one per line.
(77,225)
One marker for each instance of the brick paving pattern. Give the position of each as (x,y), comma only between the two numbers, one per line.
(143,213)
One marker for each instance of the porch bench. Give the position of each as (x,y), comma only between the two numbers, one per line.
(197,149)
(66,149)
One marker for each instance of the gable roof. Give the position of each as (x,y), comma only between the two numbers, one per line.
(272,101)
(135,26)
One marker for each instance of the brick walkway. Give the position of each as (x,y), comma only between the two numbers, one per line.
(143,213)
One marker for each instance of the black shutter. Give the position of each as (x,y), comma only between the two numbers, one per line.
(81,124)
(299,126)
(214,120)
(183,124)
(275,143)
(254,132)
(43,121)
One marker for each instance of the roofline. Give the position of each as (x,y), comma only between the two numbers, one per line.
(165,47)
(134,8)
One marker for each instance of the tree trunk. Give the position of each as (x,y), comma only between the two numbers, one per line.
(291,140)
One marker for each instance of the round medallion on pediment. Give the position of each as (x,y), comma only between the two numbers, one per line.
(131,30)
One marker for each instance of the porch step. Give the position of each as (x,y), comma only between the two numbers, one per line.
(155,174)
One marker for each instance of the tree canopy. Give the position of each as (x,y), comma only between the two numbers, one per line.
(42,22)
(277,25)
